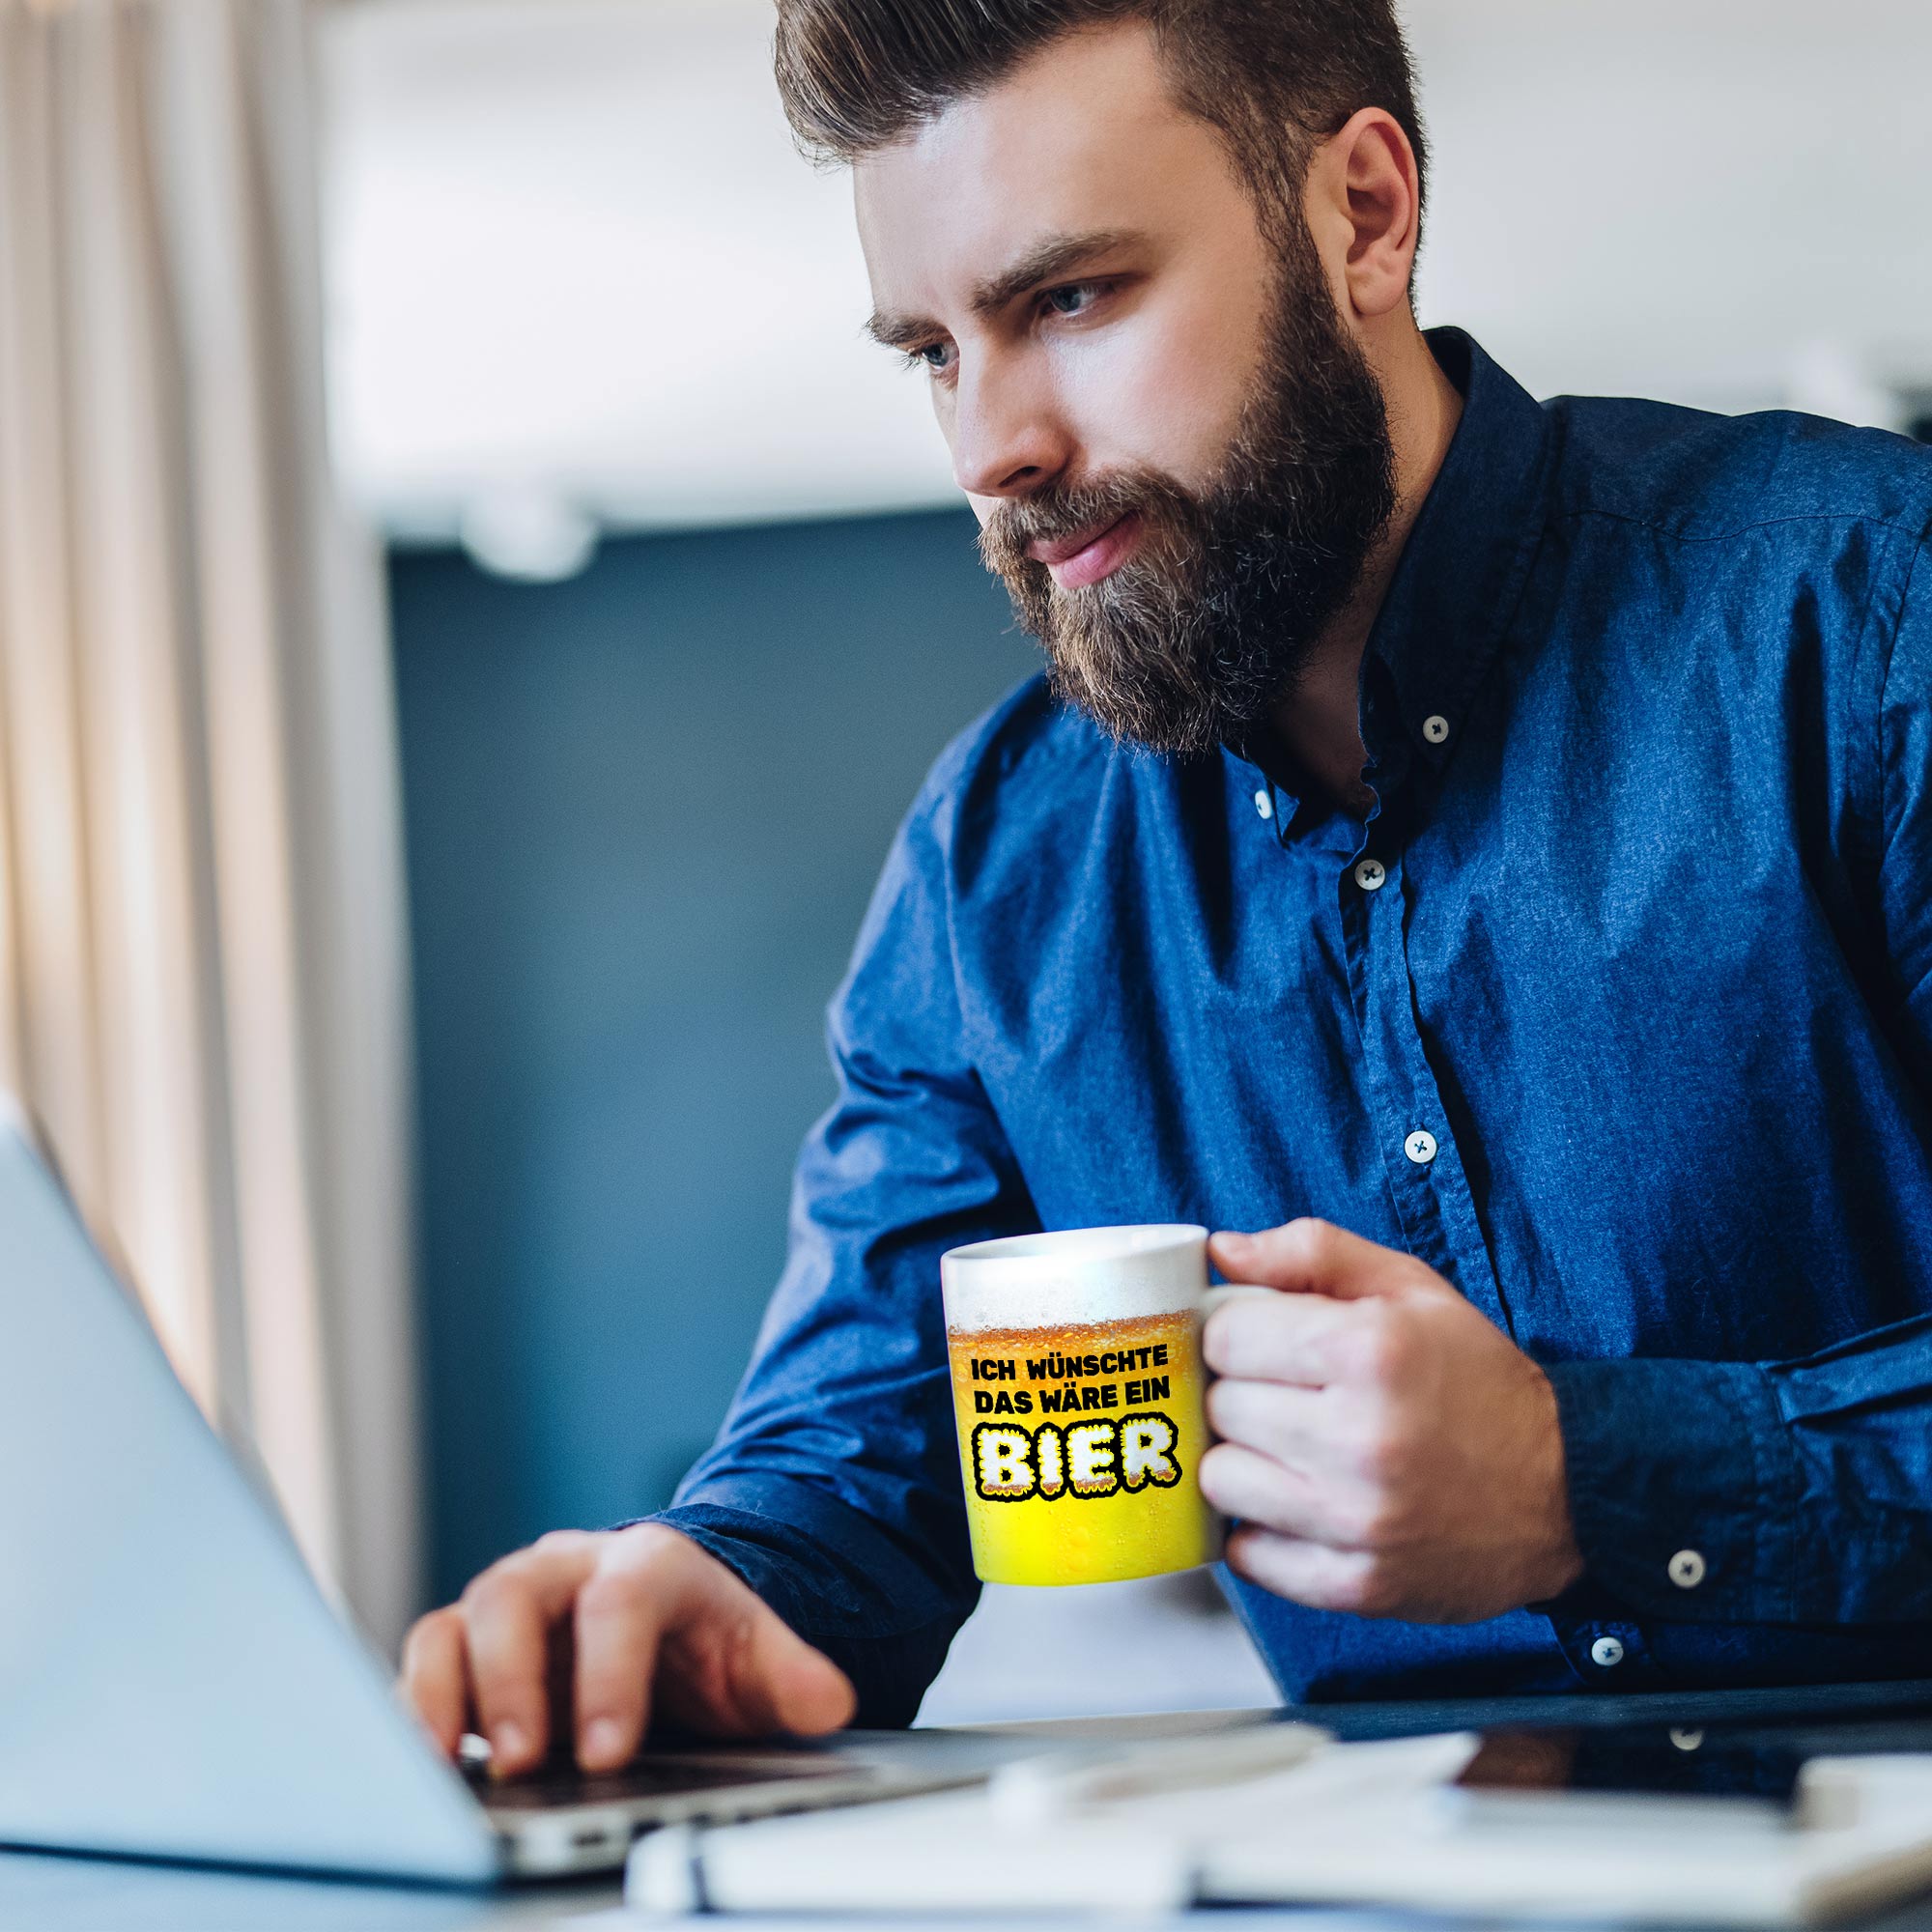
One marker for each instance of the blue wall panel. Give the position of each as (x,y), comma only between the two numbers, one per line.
(644,811)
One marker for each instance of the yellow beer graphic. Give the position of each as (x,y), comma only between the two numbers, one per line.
(1080,1441)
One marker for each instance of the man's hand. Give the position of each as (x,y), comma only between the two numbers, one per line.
(599,1628)
(1388,1450)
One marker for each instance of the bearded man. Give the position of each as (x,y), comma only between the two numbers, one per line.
(1482,845)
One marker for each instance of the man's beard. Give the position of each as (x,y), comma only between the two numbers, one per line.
(1195,638)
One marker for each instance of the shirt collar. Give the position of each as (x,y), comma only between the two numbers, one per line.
(1457,582)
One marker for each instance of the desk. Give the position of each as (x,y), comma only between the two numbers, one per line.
(40,1893)
(78,1894)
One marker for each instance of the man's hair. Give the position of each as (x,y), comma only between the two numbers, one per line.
(1274,77)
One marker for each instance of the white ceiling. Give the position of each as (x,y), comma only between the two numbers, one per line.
(572,252)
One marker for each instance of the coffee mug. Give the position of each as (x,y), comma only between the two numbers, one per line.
(1079,1392)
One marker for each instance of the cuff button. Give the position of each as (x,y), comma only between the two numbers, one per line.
(1686,1569)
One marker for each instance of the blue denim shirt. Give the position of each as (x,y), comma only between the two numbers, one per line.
(1649,717)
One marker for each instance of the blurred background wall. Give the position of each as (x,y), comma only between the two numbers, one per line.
(644,812)
(683,605)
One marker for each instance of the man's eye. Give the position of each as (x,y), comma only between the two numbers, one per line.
(1073,298)
(934,358)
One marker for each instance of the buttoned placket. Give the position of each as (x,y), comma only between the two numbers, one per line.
(1421,1157)
(1421,1160)
(1420,1153)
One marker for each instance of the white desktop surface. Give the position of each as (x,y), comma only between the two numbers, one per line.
(40,1893)
(44,1893)
(78,1894)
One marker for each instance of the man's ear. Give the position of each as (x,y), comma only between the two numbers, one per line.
(1363,206)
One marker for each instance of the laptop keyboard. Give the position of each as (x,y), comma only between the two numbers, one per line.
(654,1775)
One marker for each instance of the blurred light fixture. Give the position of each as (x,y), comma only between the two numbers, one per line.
(535,536)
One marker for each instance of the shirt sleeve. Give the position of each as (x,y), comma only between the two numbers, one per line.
(1759,1493)
(833,1487)
(1795,1491)
(1905,762)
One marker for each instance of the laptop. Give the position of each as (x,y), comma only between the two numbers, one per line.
(173,1684)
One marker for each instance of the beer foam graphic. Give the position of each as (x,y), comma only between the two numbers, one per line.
(1077,1278)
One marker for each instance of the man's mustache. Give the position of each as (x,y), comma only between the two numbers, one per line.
(1058,514)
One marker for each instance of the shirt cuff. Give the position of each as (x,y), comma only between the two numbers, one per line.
(1683,1487)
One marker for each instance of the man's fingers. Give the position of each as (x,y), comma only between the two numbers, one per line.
(1305,1339)
(599,1623)
(620,1617)
(1309,1573)
(1243,1483)
(436,1676)
(508,1612)
(1295,1426)
(507,1649)
(1309,1257)
(1335,1508)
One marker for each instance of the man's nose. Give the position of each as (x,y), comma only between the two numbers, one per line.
(1008,441)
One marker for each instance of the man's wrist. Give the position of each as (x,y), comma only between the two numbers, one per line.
(1559,1563)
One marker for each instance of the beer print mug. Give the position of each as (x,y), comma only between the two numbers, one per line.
(1079,1392)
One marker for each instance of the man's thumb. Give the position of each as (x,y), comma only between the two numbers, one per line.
(806,1691)
(1304,1257)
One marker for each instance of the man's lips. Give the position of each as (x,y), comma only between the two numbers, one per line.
(1089,555)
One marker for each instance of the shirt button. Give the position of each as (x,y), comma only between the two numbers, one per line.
(1606,1653)
(1435,728)
(1687,1569)
(1369,874)
(1264,804)
(1420,1147)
